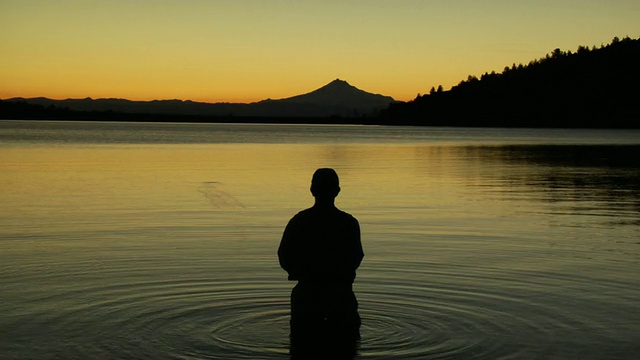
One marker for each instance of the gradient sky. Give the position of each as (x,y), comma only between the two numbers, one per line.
(249,50)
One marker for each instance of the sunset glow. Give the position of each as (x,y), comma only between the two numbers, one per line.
(244,51)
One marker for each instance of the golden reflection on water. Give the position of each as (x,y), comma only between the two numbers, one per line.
(58,187)
(63,180)
(465,246)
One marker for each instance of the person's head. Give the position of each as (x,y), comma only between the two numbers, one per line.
(325,184)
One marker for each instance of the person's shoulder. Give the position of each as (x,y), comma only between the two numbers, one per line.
(305,212)
(302,214)
(347,216)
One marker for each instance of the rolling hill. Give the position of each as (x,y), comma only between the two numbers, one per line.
(336,99)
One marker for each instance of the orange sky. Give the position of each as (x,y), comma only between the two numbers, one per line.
(242,51)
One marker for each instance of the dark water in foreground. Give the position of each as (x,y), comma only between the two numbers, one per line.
(158,241)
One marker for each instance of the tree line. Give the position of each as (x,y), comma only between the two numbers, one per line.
(589,88)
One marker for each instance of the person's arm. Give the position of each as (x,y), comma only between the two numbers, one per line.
(358,252)
(287,252)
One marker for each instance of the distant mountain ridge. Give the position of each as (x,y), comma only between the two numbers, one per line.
(336,99)
(340,93)
(591,88)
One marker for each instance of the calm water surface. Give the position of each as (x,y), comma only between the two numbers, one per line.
(158,241)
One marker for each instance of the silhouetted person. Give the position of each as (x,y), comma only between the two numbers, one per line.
(321,249)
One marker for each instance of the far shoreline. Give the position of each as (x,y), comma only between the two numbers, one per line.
(196,119)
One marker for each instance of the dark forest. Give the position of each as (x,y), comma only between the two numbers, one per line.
(589,88)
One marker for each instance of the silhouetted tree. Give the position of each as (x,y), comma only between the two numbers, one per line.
(589,88)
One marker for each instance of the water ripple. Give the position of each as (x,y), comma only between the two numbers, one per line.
(477,313)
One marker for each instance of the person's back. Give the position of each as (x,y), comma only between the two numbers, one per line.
(321,245)
(321,249)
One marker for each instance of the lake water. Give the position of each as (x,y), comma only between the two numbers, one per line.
(158,241)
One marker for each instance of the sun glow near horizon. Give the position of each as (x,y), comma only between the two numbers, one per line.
(230,51)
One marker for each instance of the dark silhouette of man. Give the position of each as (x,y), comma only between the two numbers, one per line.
(321,249)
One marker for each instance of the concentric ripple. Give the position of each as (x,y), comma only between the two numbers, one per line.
(409,310)
(471,312)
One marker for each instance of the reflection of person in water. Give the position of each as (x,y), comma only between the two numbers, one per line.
(321,249)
